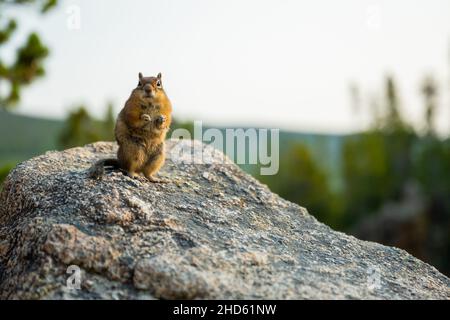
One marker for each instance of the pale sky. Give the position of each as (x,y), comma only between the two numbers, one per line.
(283,64)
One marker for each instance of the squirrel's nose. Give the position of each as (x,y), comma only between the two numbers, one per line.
(148,89)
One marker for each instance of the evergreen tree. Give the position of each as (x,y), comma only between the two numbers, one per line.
(28,63)
(429,91)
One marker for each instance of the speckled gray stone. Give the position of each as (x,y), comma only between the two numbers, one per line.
(212,232)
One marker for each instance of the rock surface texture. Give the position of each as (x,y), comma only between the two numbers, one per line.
(212,232)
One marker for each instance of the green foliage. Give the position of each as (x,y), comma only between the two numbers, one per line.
(188,125)
(4,171)
(302,180)
(432,167)
(365,170)
(109,123)
(429,91)
(28,64)
(43,5)
(432,170)
(393,119)
(379,164)
(81,128)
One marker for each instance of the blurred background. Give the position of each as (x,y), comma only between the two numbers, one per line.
(359,89)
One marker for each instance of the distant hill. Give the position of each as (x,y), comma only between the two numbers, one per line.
(22,137)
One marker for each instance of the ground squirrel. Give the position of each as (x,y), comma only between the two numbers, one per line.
(140,131)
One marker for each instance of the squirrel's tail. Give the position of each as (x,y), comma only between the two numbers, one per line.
(98,169)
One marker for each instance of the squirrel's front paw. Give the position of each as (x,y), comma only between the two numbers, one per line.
(146,117)
(160,120)
(138,141)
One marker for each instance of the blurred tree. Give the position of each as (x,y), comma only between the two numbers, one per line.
(301,180)
(393,120)
(176,124)
(109,123)
(377,163)
(378,167)
(28,64)
(365,172)
(432,170)
(81,128)
(429,91)
(375,112)
(4,171)
(399,138)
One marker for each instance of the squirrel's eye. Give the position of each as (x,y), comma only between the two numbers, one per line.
(158,84)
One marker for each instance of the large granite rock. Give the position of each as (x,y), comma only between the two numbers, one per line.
(213,232)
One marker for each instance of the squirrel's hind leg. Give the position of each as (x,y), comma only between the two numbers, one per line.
(152,167)
(131,158)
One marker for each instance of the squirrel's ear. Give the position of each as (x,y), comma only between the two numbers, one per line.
(140,76)
(159,75)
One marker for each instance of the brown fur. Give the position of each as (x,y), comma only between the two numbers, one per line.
(141,129)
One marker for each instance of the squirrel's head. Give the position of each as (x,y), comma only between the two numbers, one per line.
(151,86)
